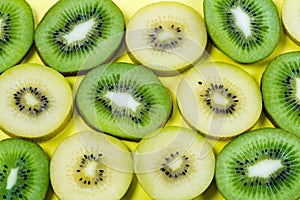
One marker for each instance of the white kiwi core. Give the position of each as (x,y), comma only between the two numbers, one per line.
(30,99)
(264,168)
(175,164)
(12,178)
(123,100)
(242,20)
(80,31)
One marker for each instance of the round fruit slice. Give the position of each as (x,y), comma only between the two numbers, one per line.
(24,170)
(122,99)
(167,37)
(261,164)
(175,163)
(35,101)
(290,19)
(16,32)
(79,35)
(245,30)
(219,99)
(91,165)
(281,91)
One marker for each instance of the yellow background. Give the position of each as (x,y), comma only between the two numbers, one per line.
(129,7)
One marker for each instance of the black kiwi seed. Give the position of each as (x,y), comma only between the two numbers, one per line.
(130,87)
(178,172)
(165,44)
(91,38)
(85,161)
(217,108)
(23,106)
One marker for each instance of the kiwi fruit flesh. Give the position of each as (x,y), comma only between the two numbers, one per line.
(290,19)
(167,37)
(37,102)
(16,32)
(280,89)
(75,36)
(245,30)
(260,164)
(24,170)
(91,165)
(174,163)
(123,99)
(219,99)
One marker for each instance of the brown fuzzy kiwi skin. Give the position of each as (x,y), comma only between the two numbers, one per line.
(47,136)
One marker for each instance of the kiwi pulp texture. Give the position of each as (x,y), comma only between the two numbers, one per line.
(91,165)
(280,90)
(167,37)
(37,102)
(79,35)
(174,163)
(122,99)
(245,30)
(16,32)
(24,170)
(261,164)
(290,19)
(219,99)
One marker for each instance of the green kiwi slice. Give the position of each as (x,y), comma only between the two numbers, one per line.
(290,19)
(37,102)
(123,99)
(245,30)
(174,163)
(16,32)
(78,35)
(24,170)
(91,165)
(261,164)
(281,91)
(167,37)
(219,99)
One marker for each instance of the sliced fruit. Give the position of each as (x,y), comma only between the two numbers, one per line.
(261,164)
(16,32)
(174,163)
(219,99)
(122,99)
(36,100)
(290,19)
(167,37)
(91,165)
(281,91)
(24,170)
(245,30)
(79,35)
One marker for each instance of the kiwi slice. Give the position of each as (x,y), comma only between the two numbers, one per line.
(91,165)
(261,164)
(16,32)
(24,170)
(36,100)
(79,35)
(281,91)
(219,99)
(167,37)
(123,99)
(290,19)
(174,163)
(245,30)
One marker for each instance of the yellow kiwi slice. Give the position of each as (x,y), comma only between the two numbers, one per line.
(35,101)
(91,165)
(219,99)
(167,37)
(291,18)
(174,163)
